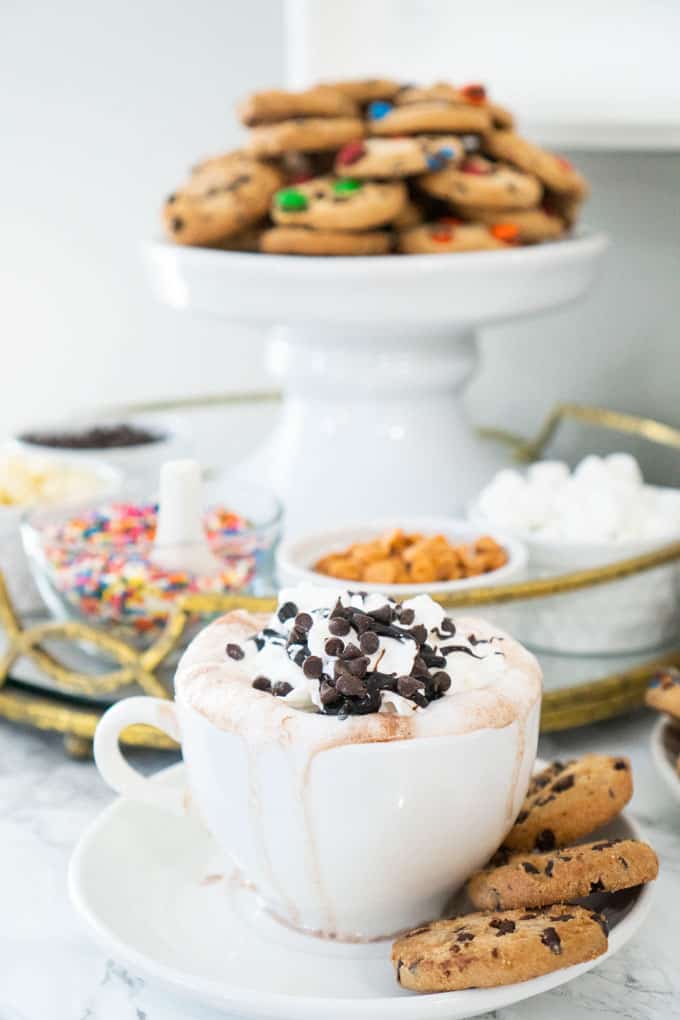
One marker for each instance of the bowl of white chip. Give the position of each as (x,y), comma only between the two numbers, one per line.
(32,480)
(597,514)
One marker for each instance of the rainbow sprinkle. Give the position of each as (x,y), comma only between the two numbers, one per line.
(99,562)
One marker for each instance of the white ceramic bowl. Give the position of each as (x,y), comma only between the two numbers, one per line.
(296,557)
(632,615)
(13,562)
(138,464)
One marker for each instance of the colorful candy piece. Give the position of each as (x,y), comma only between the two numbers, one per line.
(350,153)
(508,232)
(291,200)
(378,109)
(346,185)
(474,93)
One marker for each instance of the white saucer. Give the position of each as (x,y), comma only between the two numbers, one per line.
(665,744)
(152,889)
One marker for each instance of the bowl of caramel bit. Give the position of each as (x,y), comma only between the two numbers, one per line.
(428,554)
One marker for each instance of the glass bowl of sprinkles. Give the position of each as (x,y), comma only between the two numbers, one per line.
(92,562)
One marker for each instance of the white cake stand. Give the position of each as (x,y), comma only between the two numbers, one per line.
(373,355)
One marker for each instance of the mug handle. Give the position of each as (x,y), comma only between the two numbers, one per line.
(112,766)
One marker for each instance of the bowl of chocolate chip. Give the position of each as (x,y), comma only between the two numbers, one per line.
(136,446)
(426,554)
(355,758)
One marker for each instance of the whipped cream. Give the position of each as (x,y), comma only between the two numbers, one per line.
(604,499)
(344,653)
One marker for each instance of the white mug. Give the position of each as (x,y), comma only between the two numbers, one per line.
(356,842)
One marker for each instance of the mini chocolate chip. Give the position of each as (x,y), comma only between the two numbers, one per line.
(297,637)
(338,626)
(177,224)
(465,936)
(549,868)
(597,886)
(530,869)
(362,622)
(357,667)
(504,926)
(350,686)
(495,953)
(300,657)
(334,646)
(406,617)
(521,817)
(562,917)
(303,622)
(419,633)
(441,681)
(621,765)
(605,844)
(542,801)
(281,689)
(407,686)
(551,939)
(563,784)
(530,915)
(564,857)
(328,693)
(369,642)
(383,614)
(287,611)
(448,626)
(351,651)
(235,652)
(262,683)
(545,840)
(312,667)
(624,862)
(455,948)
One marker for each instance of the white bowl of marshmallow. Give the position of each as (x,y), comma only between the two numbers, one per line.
(599,513)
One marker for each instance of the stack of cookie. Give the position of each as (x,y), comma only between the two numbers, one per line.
(369,167)
(527,922)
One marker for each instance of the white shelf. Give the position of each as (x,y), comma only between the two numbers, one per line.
(606,136)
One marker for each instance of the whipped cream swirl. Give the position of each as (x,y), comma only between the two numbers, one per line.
(352,653)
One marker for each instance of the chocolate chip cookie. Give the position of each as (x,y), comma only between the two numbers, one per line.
(433,117)
(367,90)
(224,196)
(474,94)
(339,203)
(554,171)
(485,950)
(303,241)
(447,236)
(482,182)
(663,693)
(567,802)
(526,226)
(398,157)
(277,105)
(307,134)
(538,879)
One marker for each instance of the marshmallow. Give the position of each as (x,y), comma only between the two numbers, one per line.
(603,500)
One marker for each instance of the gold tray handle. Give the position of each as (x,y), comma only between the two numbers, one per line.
(527,450)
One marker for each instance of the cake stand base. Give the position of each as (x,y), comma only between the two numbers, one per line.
(373,355)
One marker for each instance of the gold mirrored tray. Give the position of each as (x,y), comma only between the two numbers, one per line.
(61,675)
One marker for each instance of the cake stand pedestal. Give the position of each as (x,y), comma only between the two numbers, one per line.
(373,355)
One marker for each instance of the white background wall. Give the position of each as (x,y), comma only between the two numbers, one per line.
(102,108)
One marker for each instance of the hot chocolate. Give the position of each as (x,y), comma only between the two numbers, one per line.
(344,735)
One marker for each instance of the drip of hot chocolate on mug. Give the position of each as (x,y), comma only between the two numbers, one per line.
(355,759)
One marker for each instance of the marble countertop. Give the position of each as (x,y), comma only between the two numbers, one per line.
(50,969)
